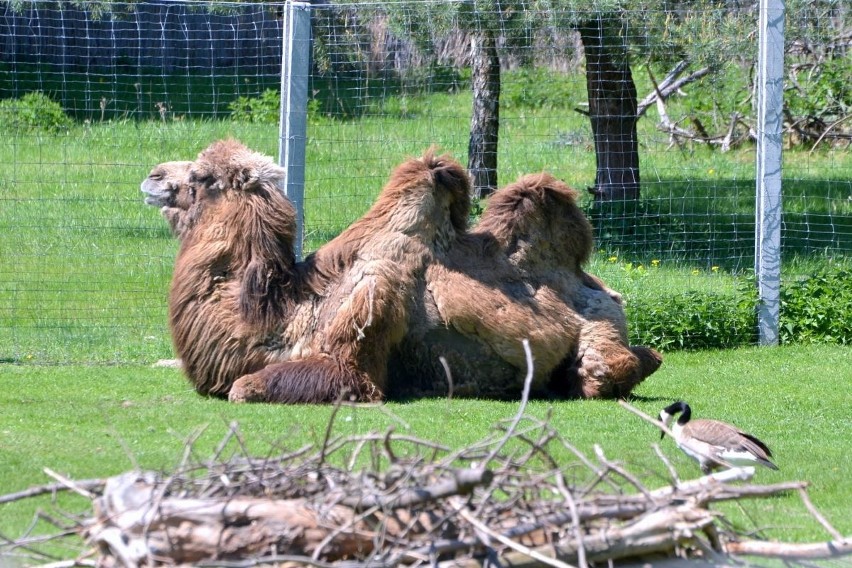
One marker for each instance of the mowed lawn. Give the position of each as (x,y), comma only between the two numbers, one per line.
(95,421)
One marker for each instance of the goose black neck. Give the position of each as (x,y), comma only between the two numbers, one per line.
(682,408)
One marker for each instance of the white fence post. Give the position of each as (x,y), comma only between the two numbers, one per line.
(770,98)
(293,123)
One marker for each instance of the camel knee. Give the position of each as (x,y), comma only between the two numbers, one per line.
(249,388)
(649,360)
(314,380)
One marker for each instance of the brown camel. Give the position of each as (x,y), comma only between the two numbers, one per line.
(250,323)
(521,272)
(371,312)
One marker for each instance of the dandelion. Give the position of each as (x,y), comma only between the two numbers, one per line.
(696,272)
(613,259)
(714,268)
(655,262)
(711,171)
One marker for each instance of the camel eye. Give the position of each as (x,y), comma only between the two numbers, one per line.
(202,179)
(155,176)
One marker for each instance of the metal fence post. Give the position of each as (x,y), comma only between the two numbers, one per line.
(293,123)
(770,98)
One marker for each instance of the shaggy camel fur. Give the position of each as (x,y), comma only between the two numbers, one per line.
(521,270)
(470,297)
(250,323)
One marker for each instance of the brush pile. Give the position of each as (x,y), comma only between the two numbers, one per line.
(391,500)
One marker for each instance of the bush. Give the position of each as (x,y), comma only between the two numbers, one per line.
(264,109)
(695,320)
(818,308)
(34,112)
(823,92)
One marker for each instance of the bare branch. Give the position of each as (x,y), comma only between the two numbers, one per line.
(85,484)
(811,551)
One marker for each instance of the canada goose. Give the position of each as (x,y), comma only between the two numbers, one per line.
(711,442)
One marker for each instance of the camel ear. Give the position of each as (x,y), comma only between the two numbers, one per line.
(252,177)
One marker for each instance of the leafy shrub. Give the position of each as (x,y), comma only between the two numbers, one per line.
(818,308)
(823,91)
(695,320)
(264,109)
(34,112)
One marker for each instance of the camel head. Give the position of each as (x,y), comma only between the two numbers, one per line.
(223,178)
(168,187)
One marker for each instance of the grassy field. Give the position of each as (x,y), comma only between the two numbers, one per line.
(85,265)
(94,421)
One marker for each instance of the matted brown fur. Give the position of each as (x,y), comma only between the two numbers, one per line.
(518,275)
(469,297)
(251,324)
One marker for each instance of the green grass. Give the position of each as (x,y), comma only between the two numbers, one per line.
(85,265)
(95,421)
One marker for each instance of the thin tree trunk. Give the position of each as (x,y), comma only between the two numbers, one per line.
(485,121)
(612,109)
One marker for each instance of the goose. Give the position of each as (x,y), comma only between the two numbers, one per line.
(711,442)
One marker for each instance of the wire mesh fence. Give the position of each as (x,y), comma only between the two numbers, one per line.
(93,95)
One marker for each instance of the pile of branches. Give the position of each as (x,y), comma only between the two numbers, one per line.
(392,500)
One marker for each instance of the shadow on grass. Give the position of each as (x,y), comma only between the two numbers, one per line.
(713,223)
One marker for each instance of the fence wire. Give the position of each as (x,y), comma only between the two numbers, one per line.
(92,96)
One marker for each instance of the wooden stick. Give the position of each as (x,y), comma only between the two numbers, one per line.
(86,484)
(813,550)
(525,396)
(818,516)
(526,551)
(71,485)
(462,484)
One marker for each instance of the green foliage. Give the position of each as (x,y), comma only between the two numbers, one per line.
(695,320)
(34,112)
(818,308)
(822,91)
(264,109)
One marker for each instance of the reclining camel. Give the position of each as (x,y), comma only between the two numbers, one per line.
(370,313)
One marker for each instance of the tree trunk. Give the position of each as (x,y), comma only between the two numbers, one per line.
(612,109)
(485,121)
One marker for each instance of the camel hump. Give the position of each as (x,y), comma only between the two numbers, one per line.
(529,194)
(446,171)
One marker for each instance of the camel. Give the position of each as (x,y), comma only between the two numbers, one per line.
(250,323)
(370,313)
(521,270)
